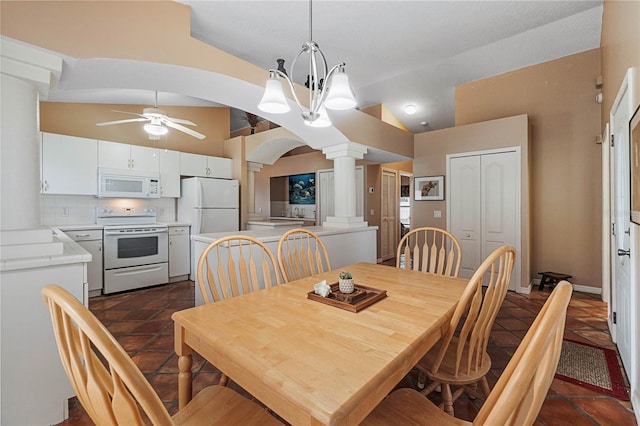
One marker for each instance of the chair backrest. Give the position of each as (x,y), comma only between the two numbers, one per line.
(107,382)
(235,265)
(301,254)
(475,314)
(518,395)
(429,250)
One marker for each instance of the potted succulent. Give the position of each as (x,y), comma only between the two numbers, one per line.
(345,282)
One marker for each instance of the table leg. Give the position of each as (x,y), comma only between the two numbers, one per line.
(542,282)
(184,380)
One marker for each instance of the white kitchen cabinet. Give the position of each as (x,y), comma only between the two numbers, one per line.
(114,155)
(205,166)
(91,241)
(69,165)
(169,173)
(179,256)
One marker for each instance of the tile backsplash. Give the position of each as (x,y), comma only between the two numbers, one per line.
(56,210)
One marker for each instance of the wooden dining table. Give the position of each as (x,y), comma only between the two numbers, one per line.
(312,363)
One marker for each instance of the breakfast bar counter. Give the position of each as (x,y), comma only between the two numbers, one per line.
(344,245)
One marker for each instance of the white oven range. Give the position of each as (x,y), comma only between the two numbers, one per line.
(136,249)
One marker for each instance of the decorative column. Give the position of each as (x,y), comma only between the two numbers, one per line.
(252,168)
(344,158)
(27,75)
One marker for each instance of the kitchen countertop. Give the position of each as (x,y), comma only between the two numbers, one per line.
(86,227)
(275,223)
(273,234)
(72,252)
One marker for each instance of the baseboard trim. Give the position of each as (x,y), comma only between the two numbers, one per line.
(576,287)
(524,290)
(635,403)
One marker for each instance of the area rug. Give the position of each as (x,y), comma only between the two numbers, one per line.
(592,367)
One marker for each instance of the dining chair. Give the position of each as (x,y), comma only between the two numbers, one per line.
(518,395)
(234,265)
(301,253)
(112,389)
(460,358)
(429,249)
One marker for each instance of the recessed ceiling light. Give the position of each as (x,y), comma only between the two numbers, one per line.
(410,109)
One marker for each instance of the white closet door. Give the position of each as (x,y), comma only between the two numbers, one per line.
(498,201)
(483,207)
(465,210)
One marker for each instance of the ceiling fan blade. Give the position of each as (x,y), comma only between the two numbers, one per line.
(128,112)
(181,121)
(184,129)
(129,120)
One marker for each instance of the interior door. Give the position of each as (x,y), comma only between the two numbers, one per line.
(388,209)
(464,208)
(621,228)
(499,179)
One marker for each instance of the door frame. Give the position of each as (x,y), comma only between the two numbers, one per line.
(628,86)
(517,269)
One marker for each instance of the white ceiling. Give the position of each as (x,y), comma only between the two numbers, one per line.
(397,52)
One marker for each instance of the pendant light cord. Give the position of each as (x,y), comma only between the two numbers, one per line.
(310,20)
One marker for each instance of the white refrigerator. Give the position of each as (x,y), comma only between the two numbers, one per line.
(210,205)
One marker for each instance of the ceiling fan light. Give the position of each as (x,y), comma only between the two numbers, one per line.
(322,120)
(273,100)
(155,129)
(340,96)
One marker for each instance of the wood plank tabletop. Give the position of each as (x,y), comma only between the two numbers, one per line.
(314,363)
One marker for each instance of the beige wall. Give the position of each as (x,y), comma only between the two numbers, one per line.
(431,149)
(80,120)
(566,199)
(620,48)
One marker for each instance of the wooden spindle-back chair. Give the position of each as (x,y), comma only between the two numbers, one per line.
(111,388)
(460,358)
(518,395)
(431,250)
(301,253)
(235,265)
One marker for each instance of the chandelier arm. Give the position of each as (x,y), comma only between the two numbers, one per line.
(293,90)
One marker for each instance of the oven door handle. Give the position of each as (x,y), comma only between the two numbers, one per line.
(142,232)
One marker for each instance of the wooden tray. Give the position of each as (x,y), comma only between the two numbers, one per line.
(361,297)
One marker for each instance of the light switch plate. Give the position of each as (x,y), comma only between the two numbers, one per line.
(437,213)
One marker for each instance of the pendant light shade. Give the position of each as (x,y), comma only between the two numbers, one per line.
(340,96)
(155,129)
(273,100)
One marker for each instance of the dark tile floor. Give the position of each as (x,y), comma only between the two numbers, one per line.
(141,321)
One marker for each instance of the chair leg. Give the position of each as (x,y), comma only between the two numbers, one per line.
(447,399)
(422,378)
(472,390)
(485,386)
(432,386)
(223,380)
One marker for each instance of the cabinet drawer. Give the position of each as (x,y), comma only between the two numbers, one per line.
(84,234)
(178,230)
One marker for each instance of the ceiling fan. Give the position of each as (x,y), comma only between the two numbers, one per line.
(158,121)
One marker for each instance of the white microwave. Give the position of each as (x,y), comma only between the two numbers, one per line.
(114,183)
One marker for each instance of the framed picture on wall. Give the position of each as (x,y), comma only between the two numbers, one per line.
(634,157)
(302,189)
(429,188)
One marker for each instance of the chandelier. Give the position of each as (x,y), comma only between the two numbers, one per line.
(327,88)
